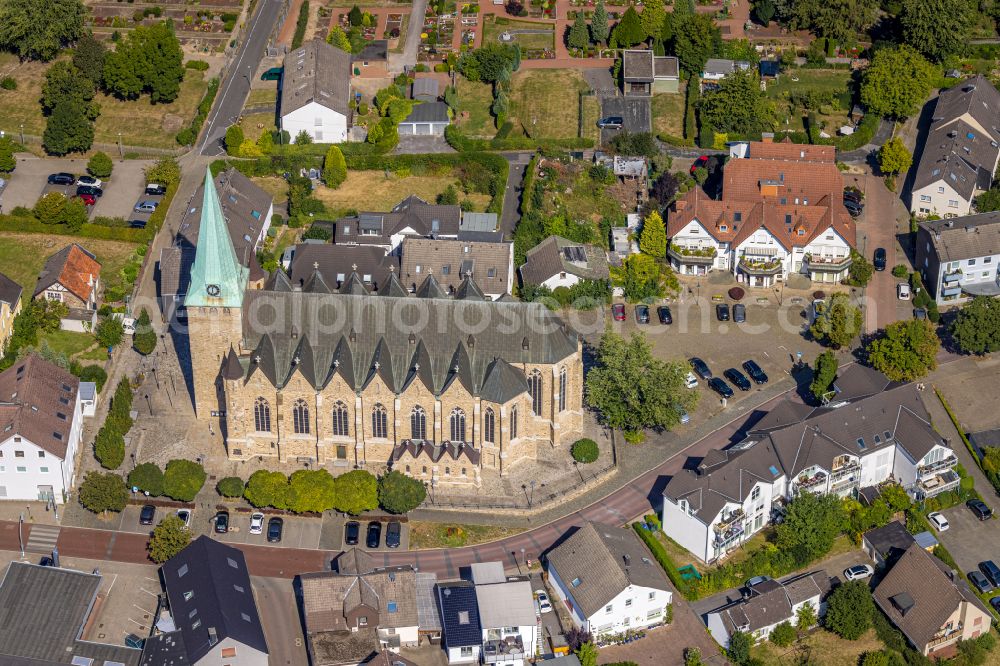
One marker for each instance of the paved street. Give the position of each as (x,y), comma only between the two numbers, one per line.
(279,615)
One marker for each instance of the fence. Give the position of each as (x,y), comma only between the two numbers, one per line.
(139,152)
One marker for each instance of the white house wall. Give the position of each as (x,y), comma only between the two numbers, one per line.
(939,198)
(561,280)
(622,617)
(566,596)
(686,530)
(455,656)
(245,655)
(47,470)
(324,125)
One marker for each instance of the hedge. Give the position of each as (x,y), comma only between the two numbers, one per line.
(300,25)
(661,556)
(463,143)
(189,135)
(585,450)
(30,225)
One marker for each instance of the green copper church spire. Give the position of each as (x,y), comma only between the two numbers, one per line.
(217,277)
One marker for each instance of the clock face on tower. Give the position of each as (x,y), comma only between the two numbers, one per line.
(213,289)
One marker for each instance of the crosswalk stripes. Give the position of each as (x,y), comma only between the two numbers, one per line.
(42,538)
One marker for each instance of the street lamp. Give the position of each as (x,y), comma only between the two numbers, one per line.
(148,404)
(532,495)
(133,460)
(121,150)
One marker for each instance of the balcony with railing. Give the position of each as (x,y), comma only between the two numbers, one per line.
(758,266)
(504,650)
(827,263)
(813,482)
(945,636)
(933,468)
(845,478)
(730,528)
(941,482)
(952,279)
(704,256)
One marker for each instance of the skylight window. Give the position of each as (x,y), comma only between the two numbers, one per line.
(576,582)
(773,470)
(861,443)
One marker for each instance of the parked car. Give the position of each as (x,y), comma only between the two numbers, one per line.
(393,534)
(89,189)
(979,508)
(137,224)
(903,291)
(89,180)
(938,520)
(720,387)
(682,413)
(222,522)
(879,259)
(854,209)
(991,571)
(146,207)
(256,522)
(275,526)
(700,368)
(980,582)
(858,572)
(544,605)
(995,602)
(185,516)
(351,532)
(919,313)
(853,194)
(737,379)
(611,122)
(374,534)
(88,199)
(155,189)
(700,163)
(147,514)
(690,380)
(618,312)
(722,312)
(756,580)
(755,372)
(642,314)
(739,313)
(663,312)
(62,178)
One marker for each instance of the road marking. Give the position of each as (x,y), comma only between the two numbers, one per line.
(42,538)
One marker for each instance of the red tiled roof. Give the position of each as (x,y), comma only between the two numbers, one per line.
(74,268)
(786,150)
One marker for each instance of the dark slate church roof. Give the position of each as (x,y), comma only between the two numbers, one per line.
(400,338)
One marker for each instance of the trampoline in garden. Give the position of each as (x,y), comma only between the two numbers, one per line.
(689,573)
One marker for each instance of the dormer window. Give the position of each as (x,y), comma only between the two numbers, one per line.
(737,217)
(723,227)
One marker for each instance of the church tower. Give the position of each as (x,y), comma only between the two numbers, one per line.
(213,302)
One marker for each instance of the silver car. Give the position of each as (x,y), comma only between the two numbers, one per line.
(256,523)
(146,207)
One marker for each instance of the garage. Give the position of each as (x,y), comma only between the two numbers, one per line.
(426,119)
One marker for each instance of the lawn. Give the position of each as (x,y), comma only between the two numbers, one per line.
(23,255)
(260,96)
(830,117)
(140,123)
(590,113)
(257,123)
(474,100)
(668,113)
(71,342)
(493,26)
(547,102)
(425,535)
(822,648)
(276,186)
(374,191)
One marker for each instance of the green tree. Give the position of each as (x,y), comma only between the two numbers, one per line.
(338,38)
(976,328)
(824,372)
(109,447)
(587,654)
(839,323)
(875,658)
(628,32)
(100,165)
(633,390)
(653,238)
(38,30)
(739,648)
(692,657)
(149,59)
(897,82)
(74,215)
(696,38)
(144,338)
(449,197)
(183,479)
(811,524)
(166,171)
(101,492)
(68,130)
(599,29)
(738,106)
(849,610)
(906,350)
(313,490)
(838,20)
(764,11)
(861,270)
(334,167)
(147,477)
(783,635)
(988,201)
(893,156)
(641,277)
(120,75)
(652,17)
(230,486)
(88,57)
(234,139)
(109,332)
(169,538)
(585,450)
(578,36)
(355,17)
(937,28)
(7,161)
(265,143)
(303,138)
(268,489)
(49,209)
(805,617)
(398,493)
(357,491)
(65,83)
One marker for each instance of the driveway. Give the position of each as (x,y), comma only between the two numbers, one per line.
(970,540)
(279,615)
(517,163)
(876,227)
(635,113)
(420,145)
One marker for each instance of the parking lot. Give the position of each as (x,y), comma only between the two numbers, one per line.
(634,111)
(970,540)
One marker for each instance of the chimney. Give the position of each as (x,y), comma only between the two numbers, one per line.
(680,205)
(767,137)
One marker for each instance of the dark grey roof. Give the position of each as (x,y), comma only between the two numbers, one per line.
(362,336)
(209,590)
(772,602)
(376,50)
(37,399)
(450,260)
(425,89)
(960,238)
(336,262)
(42,614)
(165,650)
(985,438)
(890,540)
(428,112)
(598,561)
(460,614)
(375,228)
(637,65)
(666,67)
(552,256)
(10,291)
(503,382)
(316,72)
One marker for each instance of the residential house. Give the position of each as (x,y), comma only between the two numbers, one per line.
(41,417)
(885,544)
(931,603)
(247,210)
(10,307)
(490,264)
(767,605)
(335,263)
(716,69)
(841,448)
(959,258)
(769,69)
(47,616)
(358,610)
(623,243)
(425,89)
(426,119)
(961,152)
(607,581)
(213,615)
(644,73)
(463,633)
(372,61)
(315,93)
(559,262)
(506,614)
(781,213)
(72,276)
